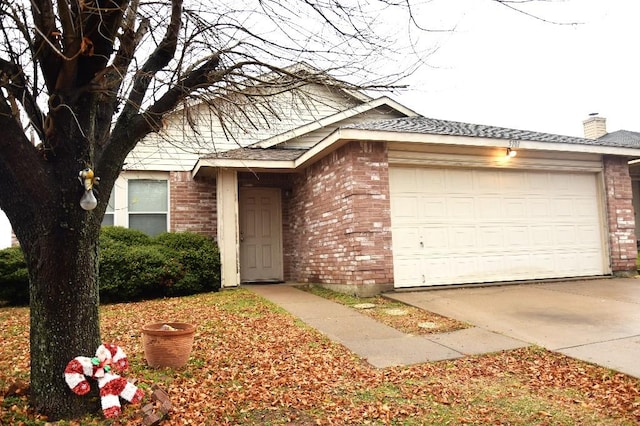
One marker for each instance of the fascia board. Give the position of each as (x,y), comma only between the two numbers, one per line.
(425,138)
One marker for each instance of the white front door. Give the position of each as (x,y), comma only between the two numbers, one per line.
(260,235)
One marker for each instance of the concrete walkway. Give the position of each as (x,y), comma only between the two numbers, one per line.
(593,320)
(380,345)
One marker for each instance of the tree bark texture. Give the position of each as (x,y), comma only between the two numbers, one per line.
(41,196)
(64,312)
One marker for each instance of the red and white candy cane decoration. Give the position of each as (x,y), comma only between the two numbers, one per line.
(112,387)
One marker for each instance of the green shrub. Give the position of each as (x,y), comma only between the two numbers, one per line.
(200,259)
(136,272)
(133,266)
(130,237)
(14,277)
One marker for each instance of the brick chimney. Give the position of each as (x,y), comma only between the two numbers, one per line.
(594,127)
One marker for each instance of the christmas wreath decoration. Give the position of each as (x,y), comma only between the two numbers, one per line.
(101,367)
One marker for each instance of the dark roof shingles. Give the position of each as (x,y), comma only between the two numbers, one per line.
(424,125)
(434,126)
(269,154)
(622,138)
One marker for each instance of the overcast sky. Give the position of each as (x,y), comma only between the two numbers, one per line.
(506,69)
(503,68)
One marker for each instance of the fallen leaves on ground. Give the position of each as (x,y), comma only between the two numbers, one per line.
(252,363)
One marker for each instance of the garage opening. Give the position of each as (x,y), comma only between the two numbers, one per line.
(458,225)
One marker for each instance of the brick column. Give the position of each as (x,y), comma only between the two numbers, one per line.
(622,227)
(339,229)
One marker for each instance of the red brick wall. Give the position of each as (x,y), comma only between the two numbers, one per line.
(339,226)
(336,215)
(192,204)
(622,237)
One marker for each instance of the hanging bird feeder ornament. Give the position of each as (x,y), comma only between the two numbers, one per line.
(88,181)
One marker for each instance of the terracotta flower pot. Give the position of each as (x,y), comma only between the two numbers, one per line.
(167,344)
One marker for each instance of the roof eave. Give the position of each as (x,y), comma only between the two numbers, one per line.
(257,165)
(439,139)
(342,136)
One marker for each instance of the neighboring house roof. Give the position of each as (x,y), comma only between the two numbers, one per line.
(621,138)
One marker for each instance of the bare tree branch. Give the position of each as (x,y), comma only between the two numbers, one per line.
(47,35)
(160,57)
(12,78)
(15,148)
(511,5)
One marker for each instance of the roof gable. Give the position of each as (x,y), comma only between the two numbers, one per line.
(334,119)
(196,131)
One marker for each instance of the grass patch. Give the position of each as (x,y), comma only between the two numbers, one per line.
(400,316)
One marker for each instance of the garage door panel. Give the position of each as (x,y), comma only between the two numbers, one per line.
(436,270)
(565,235)
(489,208)
(540,236)
(433,238)
(539,208)
(404,208)
(514,208)
(516,236)
(435,207)
(461,238)
(431,181)
(408,239)
(491,237)
(538,183)
(408,272)
(409,176)
(459,206)
(457,180)
(564,207)
(453,226)
(512,182)
(560,184)
(487,183)
(582,207)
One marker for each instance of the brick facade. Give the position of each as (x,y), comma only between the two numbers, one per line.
(193,204)
(336,223)
(339,224)
(622,237)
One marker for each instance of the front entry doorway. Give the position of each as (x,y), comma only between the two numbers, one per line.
(260,235)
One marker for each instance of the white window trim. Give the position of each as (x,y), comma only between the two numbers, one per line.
(121,195)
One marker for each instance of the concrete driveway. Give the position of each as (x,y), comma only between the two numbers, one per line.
(593,320)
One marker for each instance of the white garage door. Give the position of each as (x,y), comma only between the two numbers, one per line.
(454,226)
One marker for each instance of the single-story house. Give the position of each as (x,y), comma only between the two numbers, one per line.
(364,195)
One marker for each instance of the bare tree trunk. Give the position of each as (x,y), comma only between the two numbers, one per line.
(64,315)
(60,243)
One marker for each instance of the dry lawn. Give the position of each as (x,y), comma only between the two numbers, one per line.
(254,364)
